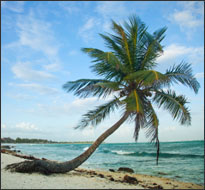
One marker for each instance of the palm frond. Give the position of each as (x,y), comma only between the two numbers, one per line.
(106,64)
(134,102)
(114,44)
(183,73)
(94,117)
(90,87)
(174,104)
(153,49)
(79,84)
(139,123)
(120,31)
(135,30)
(159,34)
(152,126)
(148,77)
(152,123)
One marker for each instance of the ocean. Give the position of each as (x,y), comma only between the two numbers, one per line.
(183,161)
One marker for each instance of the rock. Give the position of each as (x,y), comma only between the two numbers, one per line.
(101,175)
(16,150)
(111,170)
(178,176)
(129,179)
(159,187)
(3,151)
(6,147)
(7,151)
(162,173)
(155,187)
(112,179)
(126,169)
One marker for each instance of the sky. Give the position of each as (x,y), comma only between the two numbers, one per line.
(40,51)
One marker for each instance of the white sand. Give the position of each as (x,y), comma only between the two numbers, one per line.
(71,180)
(80,179)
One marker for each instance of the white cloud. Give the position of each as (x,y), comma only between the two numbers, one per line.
(173,51)
(84,102)
(186,19)
(86,31)
(26,126)
(111,8)
(190,17)
(199,75)
(21,129)
(52,67)
(20,96)
(108,10)
(15,6)
(36,34)
(25,72)
(43,90)
(70,7)
(61,108)
(77,106)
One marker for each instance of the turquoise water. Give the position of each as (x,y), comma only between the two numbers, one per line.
(183,161)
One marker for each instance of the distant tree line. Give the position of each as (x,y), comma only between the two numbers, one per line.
(44,141)
(24,140)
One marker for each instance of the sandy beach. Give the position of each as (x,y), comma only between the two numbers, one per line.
(83,179)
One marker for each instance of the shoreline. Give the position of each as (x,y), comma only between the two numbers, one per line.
(82,178)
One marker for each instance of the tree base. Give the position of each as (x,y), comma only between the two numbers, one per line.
(40,166)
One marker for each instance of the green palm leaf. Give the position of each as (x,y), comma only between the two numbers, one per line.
(107,64)
(152,125)
(90,87)
(94,117)
(134,102)
(174,104)
(120,31)
(148,77)
(183,73)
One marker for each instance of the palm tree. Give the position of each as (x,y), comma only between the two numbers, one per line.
(127,71)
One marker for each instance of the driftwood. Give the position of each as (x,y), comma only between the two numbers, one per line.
(19,155)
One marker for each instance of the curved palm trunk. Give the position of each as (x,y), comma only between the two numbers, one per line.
(48,167)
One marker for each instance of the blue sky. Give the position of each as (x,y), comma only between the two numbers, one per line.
(40,51)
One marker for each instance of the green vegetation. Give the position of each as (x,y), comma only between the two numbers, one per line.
(40,141)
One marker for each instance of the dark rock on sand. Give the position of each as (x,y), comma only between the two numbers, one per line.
(123,169)
(162,173)
(155,187)
(159,187)
(16,150)
(6,147)
(129,179)
(101,175)
(111,179)
(111,170)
